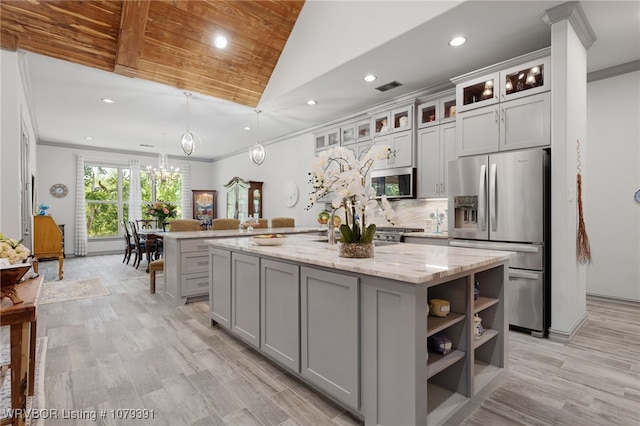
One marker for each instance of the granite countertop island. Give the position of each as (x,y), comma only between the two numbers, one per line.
(357,330)
(404,262)
(186,267)
(230,233)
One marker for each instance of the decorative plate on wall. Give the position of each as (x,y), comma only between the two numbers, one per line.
(59,190)
(290,194)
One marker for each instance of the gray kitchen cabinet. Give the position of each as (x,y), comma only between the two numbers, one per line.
(437,111)
(401,144)
(245,298)
(478,131)
(280,312)
(186,268)
(220,286)
(329,333)
(525,122)
(327,138)
(363,130)
(525,75)
(436,147)
(517,124)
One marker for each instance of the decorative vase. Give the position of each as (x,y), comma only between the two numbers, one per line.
(355,250)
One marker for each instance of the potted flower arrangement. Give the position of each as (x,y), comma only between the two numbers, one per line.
(337,173)
(161,210)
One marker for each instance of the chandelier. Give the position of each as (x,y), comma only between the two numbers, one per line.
(163,173)
(257,152)
(188,139)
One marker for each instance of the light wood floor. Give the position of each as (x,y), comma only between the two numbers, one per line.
(132,349)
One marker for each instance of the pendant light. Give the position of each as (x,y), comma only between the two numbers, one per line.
(257,152)
(188,141)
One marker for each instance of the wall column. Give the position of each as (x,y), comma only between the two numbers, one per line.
(571,36)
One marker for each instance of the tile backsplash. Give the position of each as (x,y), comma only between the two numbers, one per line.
(417,214)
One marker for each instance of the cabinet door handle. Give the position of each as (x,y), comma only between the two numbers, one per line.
(497,115)
(502,114)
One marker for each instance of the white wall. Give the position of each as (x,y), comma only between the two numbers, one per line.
(289,160)
(13,111)
(612,176)
(58,165)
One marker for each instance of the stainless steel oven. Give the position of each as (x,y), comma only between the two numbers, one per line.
(394,183)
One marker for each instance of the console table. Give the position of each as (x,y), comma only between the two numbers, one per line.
(22,320)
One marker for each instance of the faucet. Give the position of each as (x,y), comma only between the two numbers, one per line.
(331,232)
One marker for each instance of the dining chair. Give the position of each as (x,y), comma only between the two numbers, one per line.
(146,223)
(176,225)
(181,225)
(140,245)
(225,223)
(262,223)
(129,246)
(283,222)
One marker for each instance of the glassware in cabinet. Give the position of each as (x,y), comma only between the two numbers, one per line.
(363,130)
(402,118)
(381,123)
(480,91)
(525,79)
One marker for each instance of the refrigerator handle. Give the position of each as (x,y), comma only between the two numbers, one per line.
(524,275)
(493,196)
(482,198)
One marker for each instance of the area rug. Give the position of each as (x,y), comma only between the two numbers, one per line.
(35,403)
(62,291)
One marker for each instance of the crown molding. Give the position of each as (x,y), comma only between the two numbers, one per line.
(572,11)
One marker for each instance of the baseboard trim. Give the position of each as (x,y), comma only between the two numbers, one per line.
(612,299)
(566,337)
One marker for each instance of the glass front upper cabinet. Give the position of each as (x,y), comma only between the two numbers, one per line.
(480,91)
(381,123)
(437,111)
(348,132)
(525,79)
(363,130)
(402,118)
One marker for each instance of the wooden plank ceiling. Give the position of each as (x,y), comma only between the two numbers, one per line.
(167,41)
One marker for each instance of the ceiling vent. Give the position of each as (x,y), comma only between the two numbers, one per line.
(388,86)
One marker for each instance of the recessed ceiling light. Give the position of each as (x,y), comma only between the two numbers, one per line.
(457,41)
(247,128)
(369,78)
(312,102)
(108,101)
(220,41)
(89,138)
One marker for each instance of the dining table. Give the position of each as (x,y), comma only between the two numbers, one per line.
(153,243)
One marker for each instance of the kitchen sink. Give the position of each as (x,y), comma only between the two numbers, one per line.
(375,243)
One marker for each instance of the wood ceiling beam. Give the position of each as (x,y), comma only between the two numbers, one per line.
(132,26)
(8,40)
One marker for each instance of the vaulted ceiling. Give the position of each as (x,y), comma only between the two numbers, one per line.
(170,42)
(146,54)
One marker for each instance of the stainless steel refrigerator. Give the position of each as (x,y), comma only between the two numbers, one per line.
(502,202)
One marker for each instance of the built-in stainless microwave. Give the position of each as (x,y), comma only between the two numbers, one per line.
(394,183)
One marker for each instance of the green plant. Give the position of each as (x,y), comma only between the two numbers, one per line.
(339,173)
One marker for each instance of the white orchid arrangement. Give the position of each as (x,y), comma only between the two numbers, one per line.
(12,250)
(339,173)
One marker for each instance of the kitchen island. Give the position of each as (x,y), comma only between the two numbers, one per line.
(186,264)
(357,329)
